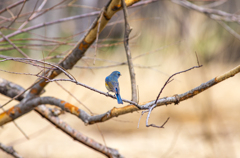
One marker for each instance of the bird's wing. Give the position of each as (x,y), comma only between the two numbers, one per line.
(112,85)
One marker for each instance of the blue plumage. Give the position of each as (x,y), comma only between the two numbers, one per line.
(112,85)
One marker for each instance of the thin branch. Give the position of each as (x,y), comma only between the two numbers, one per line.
(143,112)
(153,125)
(98,30)
(74,97)
(168,80)
(30,61)
(215,4)
(229,29)
(19,50)
(33,13)
(76,135)
(93,89)
(49,23)
(20,129)
(212,13)
(17,14)
(12,6)
(46,10)
(115,65)
(128,30)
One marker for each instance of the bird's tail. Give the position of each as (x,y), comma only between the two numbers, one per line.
(119,99)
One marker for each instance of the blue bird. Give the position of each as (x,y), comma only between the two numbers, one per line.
(112,85)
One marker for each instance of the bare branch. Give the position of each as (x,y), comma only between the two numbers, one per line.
(19,50)
(31,62)
(12,6)
(14,112)
(19,31)
(33,14)
(93,89)
(76,135)
(128,30)
(11,90)
(74,97)
(215,14)
(212,13)
(10,150)
(49,23)
(98,29)
(229,29)
(15,18)
(168,80)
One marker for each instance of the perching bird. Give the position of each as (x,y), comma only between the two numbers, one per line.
(112,85)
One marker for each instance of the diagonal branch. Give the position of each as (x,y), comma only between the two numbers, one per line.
(17,14)
(76,135)
(12,6)
(33,14)
(212,13)
(10,150)
(19,50)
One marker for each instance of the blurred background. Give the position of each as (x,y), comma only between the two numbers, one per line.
(164,40)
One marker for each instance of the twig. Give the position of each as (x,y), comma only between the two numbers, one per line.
(197,58)
(74,97)
(98,29)
(141,117)
(20,129)
(12,5)
(49,23)
(167,82)
(46,10)
(19,50)
(115,65)
(95,90)
(128,30)
(229,29)
(171,77)
(33,14)
(29,61)
(212,13)
(76,135)
(17,14)
(215,4)
(153,125)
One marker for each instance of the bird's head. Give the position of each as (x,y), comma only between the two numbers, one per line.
(116,74)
